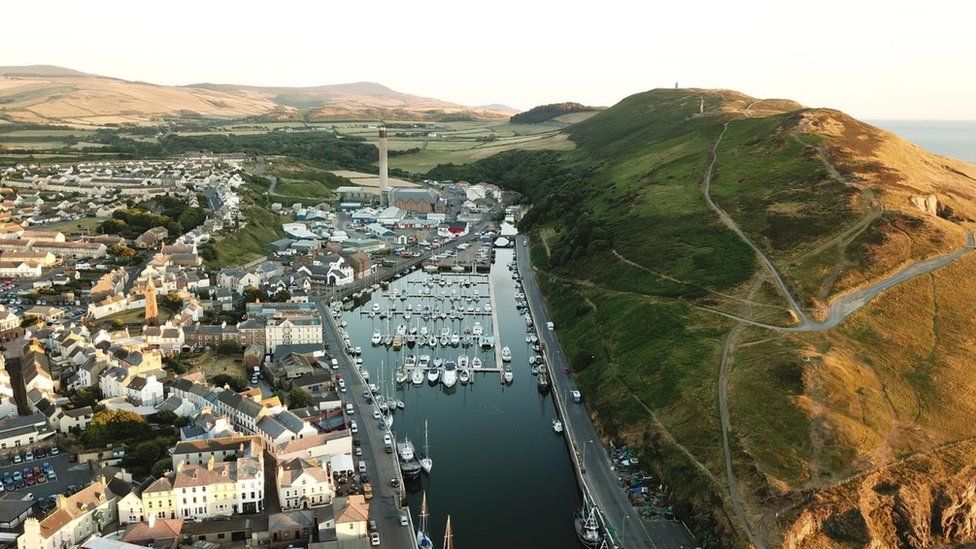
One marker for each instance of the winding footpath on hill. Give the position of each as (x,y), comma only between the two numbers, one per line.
(731,224)
(839,309)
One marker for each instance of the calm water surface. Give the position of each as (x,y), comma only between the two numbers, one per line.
(499,470)
(946,137)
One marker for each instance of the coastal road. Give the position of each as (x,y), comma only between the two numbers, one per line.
(381,467)
(601,479)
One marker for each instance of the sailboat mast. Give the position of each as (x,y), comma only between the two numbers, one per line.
(426,442)
(448,535)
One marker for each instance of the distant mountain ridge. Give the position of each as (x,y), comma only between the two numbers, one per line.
(46,94)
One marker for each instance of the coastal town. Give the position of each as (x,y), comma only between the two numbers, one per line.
(150,394)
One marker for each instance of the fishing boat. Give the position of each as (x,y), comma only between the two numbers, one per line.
(476,362)
(543,383)
(377,338)
(508,375)
(423,541)
(587,529)
(449,376)
(557,426)
(506,354)
(425,460)
(409,465)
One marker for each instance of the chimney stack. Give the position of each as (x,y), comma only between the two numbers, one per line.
(384,177)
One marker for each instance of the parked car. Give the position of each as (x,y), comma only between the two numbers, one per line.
(29,456)
(374,539)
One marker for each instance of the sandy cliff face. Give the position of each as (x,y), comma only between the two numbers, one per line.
(922,502)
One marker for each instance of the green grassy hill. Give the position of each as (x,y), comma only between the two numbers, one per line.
(647,284)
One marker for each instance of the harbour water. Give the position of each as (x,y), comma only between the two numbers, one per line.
(954,138)
(498,469)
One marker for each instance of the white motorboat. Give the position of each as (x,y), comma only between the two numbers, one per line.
(417,375)
(445,341)
(433,373)
(557,426)
(462,361)
(401,330)
(402,374)
(455,340)
(508,375)
(476,362)
(506,354)
(449,375)
(464,375)
(377,338)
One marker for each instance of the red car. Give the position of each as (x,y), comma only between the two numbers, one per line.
(30,481)
(72,458)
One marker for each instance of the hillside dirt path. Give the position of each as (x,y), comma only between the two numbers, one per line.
(734,227)
(723,408)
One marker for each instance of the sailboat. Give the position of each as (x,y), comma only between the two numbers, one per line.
(423,542)
(448,535)
(426,462)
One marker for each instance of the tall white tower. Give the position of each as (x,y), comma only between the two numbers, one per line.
(384,177)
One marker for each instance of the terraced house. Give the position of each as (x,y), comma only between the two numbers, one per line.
(74,519)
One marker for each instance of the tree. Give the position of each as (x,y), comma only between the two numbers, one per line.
(228,347)
(298,398)
(166,417)
(160,467)
(235,383)
(172,303)
(109,426)
(252,294)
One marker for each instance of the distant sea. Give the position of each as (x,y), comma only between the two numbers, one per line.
(946,137)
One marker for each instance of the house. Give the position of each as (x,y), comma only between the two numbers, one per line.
(44,313)
(303,484)
(75,420)
(73,520)
(20,269)
(294,526)
(151,238)
(157,533)
(416,200)
(283,427)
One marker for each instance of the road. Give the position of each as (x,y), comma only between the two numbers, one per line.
(601,479)
(381,467)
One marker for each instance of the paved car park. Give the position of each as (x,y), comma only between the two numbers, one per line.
(67,474)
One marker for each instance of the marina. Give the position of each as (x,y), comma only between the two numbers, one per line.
(501,468)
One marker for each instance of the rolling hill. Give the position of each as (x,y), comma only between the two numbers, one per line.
(775,304)
(44,94)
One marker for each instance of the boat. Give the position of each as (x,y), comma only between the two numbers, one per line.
(557,426)
(455,340)
(462,361)
(464,376)
(508,375)
(543,382)
(417,376)
(409,465)
(423,541)
(506,354)
(425,460)
(448,535)
(449,376)
(401,405)
(401,330)
(377,338)
(402,375)
(487,342)
(438,362)
(388,340)
(535,369)
(587,529)
(476,362)
(433,374)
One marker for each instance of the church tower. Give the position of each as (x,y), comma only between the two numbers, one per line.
(152,309)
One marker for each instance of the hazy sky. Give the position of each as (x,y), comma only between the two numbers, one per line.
(883,60)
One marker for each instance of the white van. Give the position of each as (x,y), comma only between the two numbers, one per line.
(335,364)
(362,467)
(550,326)
(353,427)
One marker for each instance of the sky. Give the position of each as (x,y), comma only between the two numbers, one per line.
(872,59)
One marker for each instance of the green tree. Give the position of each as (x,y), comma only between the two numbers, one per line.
(298,398)
(228,347)
(252,294)
(109,426)
(234,382)
(161,466)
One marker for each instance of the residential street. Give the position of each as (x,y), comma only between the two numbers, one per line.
(601,480)
(380,466)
